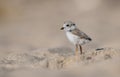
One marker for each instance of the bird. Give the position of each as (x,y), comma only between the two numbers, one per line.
(75,36)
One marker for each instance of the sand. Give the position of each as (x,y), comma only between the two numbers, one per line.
(54,63)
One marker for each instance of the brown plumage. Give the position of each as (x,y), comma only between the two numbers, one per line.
(79,33)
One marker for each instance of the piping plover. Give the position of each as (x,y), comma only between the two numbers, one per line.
(76,36)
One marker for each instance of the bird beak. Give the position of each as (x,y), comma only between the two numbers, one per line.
(62,28)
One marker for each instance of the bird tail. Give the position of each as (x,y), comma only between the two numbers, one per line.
(89,39)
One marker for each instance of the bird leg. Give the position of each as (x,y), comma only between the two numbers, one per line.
(76,52)
(80,49)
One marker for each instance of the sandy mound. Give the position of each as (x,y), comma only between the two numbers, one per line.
(61,62)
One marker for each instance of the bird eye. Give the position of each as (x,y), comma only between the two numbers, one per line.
(67,25)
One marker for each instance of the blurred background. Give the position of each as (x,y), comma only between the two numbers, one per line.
(36,23)
(28,27)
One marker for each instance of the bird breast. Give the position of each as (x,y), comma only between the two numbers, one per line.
(73,38)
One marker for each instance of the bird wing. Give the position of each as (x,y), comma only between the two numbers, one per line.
(81,34)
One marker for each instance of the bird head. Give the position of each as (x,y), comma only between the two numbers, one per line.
(68,26)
